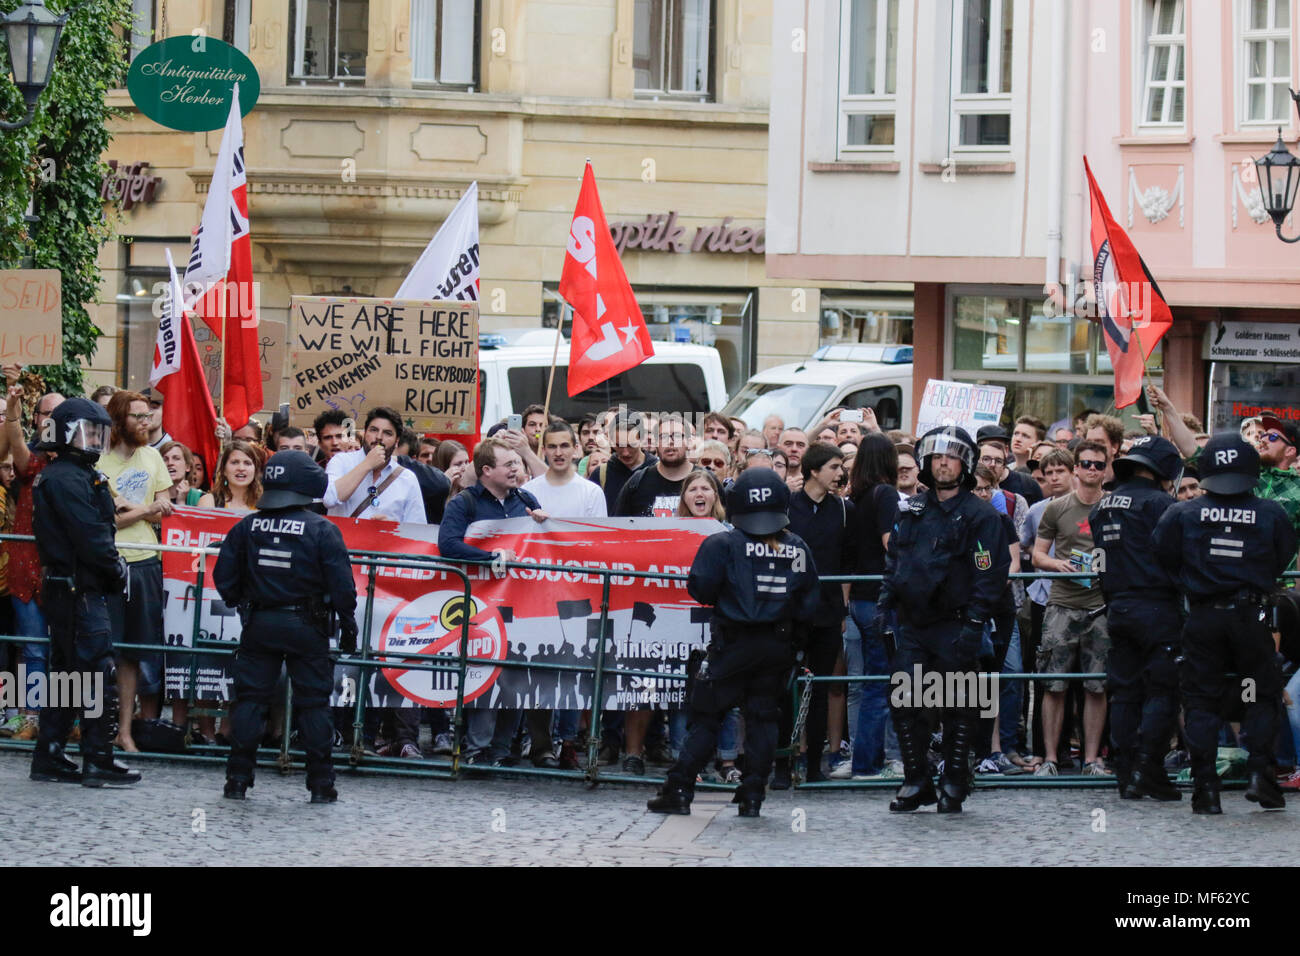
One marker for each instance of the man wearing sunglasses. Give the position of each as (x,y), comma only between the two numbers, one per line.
(1074,635)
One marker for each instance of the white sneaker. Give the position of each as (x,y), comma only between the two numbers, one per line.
(442,744)
(842,771)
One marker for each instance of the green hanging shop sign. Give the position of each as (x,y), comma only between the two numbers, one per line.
(185,83)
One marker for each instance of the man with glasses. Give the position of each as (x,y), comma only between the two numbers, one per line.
(371,483)
(714,457)
(1074,631)
(995,447)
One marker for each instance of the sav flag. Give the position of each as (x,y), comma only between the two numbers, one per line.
(1132,311)
(219,277)
(188,415)
(609,333)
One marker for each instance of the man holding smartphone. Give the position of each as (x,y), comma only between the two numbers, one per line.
(371,483)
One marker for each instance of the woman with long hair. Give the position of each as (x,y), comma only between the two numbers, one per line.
(701,496)
(238,482)
(876,501)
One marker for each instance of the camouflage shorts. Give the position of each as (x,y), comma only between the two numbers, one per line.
(1072,644)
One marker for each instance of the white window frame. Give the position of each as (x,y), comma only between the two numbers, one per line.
(1245,36)
(967,104)
(1148,84)
(429,24)
(879,103)
(298,43)
(672,9)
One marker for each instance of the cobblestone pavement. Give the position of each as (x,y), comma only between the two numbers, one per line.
(176,816)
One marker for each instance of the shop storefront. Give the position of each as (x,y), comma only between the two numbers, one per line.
(1252,367)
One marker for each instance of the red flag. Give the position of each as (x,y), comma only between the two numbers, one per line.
(609,333)
(221,269)
(188,415)
(1132,311)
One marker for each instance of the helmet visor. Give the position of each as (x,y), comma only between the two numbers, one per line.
(91,437)
(941,444)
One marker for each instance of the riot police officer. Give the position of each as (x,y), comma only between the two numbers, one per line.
(1226,550)
(759,577)
(1143,616)
(274,565)
(945,570)
(74,527)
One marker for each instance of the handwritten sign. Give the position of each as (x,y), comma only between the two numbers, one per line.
(31,316)
(271,355)
(417,356)
(958,403)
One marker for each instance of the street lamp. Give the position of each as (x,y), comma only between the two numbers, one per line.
(33,34)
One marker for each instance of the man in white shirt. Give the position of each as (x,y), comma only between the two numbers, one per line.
(561,491)
(370,483)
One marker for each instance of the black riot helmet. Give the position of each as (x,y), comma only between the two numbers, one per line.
(290,479)
(947,440)
(1229,464)
(758,502)
(77,428)
(1154,452)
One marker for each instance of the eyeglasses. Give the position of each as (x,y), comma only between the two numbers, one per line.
(766,452)
(993,460)
(1092,465)
(1275,437)
(139,416)
(714,462)
(986,490)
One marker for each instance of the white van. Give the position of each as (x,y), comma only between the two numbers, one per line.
(514,365)
(878,377)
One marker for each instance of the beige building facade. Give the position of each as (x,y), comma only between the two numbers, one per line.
(375,115)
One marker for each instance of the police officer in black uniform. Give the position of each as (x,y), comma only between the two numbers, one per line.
(1226,550)
(759,578)
(274,565)
(75,529)
(945,570)
(1144,619)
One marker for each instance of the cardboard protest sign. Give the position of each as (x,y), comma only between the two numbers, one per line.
(958,403)
(31,316)
(417,356)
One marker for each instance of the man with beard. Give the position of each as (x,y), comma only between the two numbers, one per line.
(139,482)
(371,483)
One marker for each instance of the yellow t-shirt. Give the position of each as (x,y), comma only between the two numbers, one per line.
(137,479)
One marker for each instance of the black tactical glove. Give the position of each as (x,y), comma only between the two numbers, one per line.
(123,573)
(970,640)
(348,636)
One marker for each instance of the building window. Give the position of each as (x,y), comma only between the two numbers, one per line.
(1266,54)
(982,80)
(444,42)
(234,27)
(330,38)
(142,26)
(1163,83)
(672,42)
(868,74)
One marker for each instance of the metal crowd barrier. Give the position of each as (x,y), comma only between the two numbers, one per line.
(286,759)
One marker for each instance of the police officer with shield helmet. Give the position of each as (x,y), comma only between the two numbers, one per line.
(945,570)
(1144,619)
(759,578)
(73,521)
(286,568)
(1226,551)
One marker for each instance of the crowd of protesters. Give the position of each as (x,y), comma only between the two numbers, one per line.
(847,478)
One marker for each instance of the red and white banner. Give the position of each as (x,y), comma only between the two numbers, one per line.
(532,615)
(609,333)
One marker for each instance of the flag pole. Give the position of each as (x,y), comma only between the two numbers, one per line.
(1146,375)
(221,373)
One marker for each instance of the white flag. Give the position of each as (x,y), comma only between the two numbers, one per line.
(221,223)
(167,350)
(448,267)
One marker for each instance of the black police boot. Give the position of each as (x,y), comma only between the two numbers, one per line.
(1263,789)
(748,806)
(324,793)
(1150,780)
(236,789)
(670,800)
(1205,799)
(917,789)
(101,770)
(51,765)
(954,785)
(781,779)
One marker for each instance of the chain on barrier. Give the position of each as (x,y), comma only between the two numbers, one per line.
(286,759)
